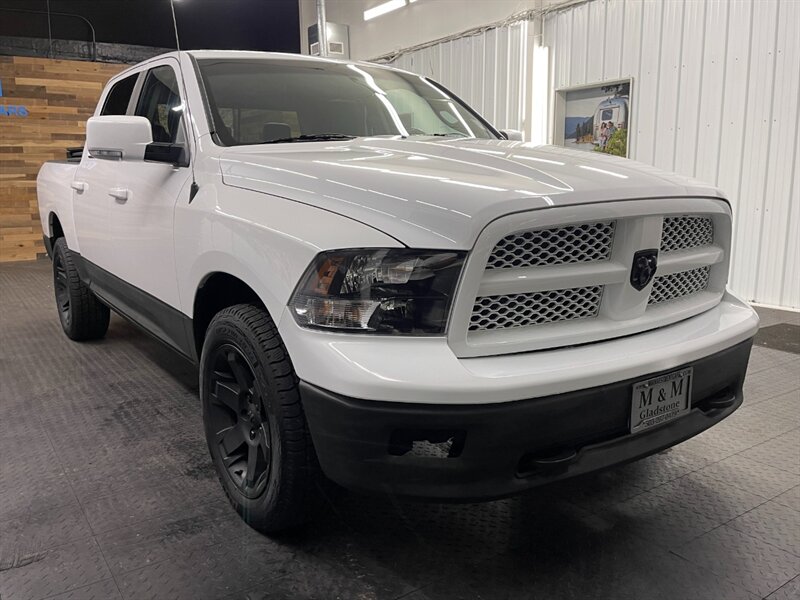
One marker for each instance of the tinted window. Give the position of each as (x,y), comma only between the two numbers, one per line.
(119,96)
(255,100)
(161,104)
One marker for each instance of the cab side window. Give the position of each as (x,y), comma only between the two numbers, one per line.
(120,95)
(160,103)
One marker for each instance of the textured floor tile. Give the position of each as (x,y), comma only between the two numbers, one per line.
(790,498)
(599,490)
(789,591)
(781,452)
(22,497)
(774,523)
(781,336)
(771,417)
(752,476)
(758,567)
(102,590)
(312,580)
(144,462)
(136,504)
(703,448)
(37,531)
(661,468)
(660,520)
(618,569)
(775,381)
(172,535)
(715,499)
(765,358)
(208,573)
(730,439)
(51,572)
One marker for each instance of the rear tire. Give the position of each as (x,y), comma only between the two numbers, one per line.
(253,419)
(82,315)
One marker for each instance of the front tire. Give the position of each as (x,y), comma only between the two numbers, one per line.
(254,423)
(82,315)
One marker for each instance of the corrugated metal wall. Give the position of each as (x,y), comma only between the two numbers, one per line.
(487,71)
(716,96)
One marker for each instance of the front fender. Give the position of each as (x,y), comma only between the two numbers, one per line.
(265,241)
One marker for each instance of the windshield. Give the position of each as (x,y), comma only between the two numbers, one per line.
(254,101)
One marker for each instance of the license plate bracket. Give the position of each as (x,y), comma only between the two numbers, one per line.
(660,400)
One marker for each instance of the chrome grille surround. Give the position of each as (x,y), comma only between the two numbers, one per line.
(679,285)
(535,308)
(585,242)
(686,231)
(501,309)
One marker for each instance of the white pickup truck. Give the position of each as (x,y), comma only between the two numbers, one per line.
(376,282)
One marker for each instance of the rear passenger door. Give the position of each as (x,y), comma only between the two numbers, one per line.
(93,178)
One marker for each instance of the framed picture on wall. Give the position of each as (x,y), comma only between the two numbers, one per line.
(595,117)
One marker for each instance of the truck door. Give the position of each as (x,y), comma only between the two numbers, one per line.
(93,178)
(141,205)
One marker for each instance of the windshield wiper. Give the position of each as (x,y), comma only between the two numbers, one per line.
(451,134)
(315,137)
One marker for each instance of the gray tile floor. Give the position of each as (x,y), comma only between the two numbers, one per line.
(106,491)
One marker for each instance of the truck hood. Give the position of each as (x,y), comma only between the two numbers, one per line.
(440,194)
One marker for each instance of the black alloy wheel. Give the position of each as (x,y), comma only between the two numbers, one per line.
(239,421)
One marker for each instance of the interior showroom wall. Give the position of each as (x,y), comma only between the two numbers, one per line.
(47,102)
(713,94)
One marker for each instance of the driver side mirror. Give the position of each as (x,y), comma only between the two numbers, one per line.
(122,137)
(512,134)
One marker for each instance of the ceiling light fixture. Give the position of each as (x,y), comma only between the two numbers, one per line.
(384,8)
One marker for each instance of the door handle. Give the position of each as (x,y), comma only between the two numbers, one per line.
(78,186)
(120,194)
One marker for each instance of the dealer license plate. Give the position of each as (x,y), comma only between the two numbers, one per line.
(661,399)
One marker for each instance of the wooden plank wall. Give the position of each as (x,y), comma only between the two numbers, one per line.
(59,96)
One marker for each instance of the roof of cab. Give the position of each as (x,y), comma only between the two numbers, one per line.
(249,54)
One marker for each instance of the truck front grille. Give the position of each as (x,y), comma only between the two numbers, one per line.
(586,242)
(536,308)
(686,231)
(678,285)
(567,283)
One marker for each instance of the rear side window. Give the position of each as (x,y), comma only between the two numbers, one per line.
(120,95)
(160,103)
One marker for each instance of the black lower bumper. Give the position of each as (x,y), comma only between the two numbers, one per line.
(458,452)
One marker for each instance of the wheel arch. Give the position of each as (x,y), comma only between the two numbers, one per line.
(216,291)
(53,231)
(54,227)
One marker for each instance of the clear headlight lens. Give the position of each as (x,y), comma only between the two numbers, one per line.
(384,290)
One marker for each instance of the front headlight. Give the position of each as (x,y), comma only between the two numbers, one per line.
(378,291)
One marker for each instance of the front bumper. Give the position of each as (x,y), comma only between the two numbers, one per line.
(503,448)
(424,370)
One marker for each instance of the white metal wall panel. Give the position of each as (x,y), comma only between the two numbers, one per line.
(752,182)
(488,71)
(579,42)
(715,96)
(691,78)
(595,38)
(614,25)
(669,83)
(646,124)
(712,93)
(783,133)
